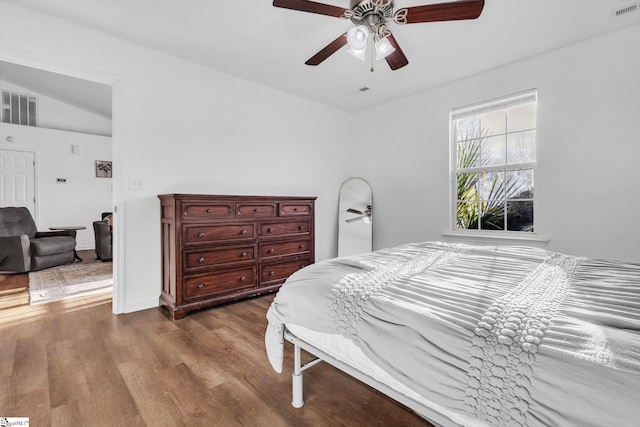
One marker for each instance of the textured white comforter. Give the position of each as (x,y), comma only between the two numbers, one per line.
(509,335)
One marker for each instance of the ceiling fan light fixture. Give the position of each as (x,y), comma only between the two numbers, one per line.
(384,48)
(357,37)
(358,53)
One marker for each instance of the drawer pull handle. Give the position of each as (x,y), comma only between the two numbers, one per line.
(301,227)
(301,247)
(200,235)
(269,230)
(256,210)
(270,251)
(243,279)
(200,285)
(244,254)
(201,259)
(209,210)
(243,232)
(295,209)
(272,273)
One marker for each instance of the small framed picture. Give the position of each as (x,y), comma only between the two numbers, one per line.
(103,169)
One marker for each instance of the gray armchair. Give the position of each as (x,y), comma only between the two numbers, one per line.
(23,248)
(103,237)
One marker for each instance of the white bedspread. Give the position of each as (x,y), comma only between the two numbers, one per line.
(510,335)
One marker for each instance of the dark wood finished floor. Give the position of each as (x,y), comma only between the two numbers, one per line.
(79,364)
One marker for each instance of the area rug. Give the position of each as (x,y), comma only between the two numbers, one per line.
(70,281)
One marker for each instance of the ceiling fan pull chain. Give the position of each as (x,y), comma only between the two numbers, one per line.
(372,54)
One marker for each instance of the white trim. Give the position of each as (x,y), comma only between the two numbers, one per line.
(520,98)
(524,97)
(57,65)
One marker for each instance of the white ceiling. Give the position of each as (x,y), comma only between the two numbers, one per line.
(89,96)
(255,41)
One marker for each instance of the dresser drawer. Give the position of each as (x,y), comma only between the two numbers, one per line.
(220,282)
(216,233)
(283,248)
(219,256)
(256,210)
(208,210)
(279,272)
(284,228)
(289,209)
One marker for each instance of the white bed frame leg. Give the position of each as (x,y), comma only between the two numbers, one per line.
(297,380)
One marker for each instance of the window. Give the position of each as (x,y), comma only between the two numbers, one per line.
(18,109)
(493,164)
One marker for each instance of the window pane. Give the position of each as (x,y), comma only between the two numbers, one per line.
(23,110)
(32,111)
(468,154)
(467,215)
(493,123)
(492,217)
(493,151)
(519,184)
(521,147)
(491,185)
(467,128)
(522,117)
(520,215)
(467,186)
(15,112)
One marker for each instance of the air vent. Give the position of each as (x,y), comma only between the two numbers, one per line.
(626,10)
(363,89)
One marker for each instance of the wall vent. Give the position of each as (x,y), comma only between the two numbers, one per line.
(363,89)
(630,8)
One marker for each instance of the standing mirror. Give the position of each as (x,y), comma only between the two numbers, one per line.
(355,217)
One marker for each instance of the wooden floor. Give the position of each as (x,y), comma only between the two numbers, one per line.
(79,364)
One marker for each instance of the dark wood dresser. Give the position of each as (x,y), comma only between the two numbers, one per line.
(222,248)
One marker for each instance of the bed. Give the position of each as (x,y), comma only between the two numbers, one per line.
(472,335)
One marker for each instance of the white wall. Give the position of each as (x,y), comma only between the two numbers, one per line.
(53,114)
(83,197)
(587,180)
(213,134)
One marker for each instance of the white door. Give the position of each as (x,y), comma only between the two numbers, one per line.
(17,179)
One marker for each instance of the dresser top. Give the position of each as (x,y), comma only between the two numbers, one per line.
(232,197)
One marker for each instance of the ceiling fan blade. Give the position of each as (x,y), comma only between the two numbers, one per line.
(311,6)
(358,218)
(396,59)
(451,11)
(328,50)
(355,211)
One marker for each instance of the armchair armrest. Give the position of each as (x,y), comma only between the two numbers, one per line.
(71,233)
(102,228)
(15,253)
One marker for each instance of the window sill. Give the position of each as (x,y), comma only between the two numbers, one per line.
(493,238)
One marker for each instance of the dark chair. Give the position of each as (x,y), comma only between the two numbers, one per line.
(23,248)
(103,237)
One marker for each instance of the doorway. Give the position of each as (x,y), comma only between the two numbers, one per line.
(36,186)
(17,179)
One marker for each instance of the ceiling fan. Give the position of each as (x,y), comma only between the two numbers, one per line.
(371,17)
(364,216)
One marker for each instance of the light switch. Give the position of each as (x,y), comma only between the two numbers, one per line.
(136,183)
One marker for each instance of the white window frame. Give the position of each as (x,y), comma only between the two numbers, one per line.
(6,112)
(473,110)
